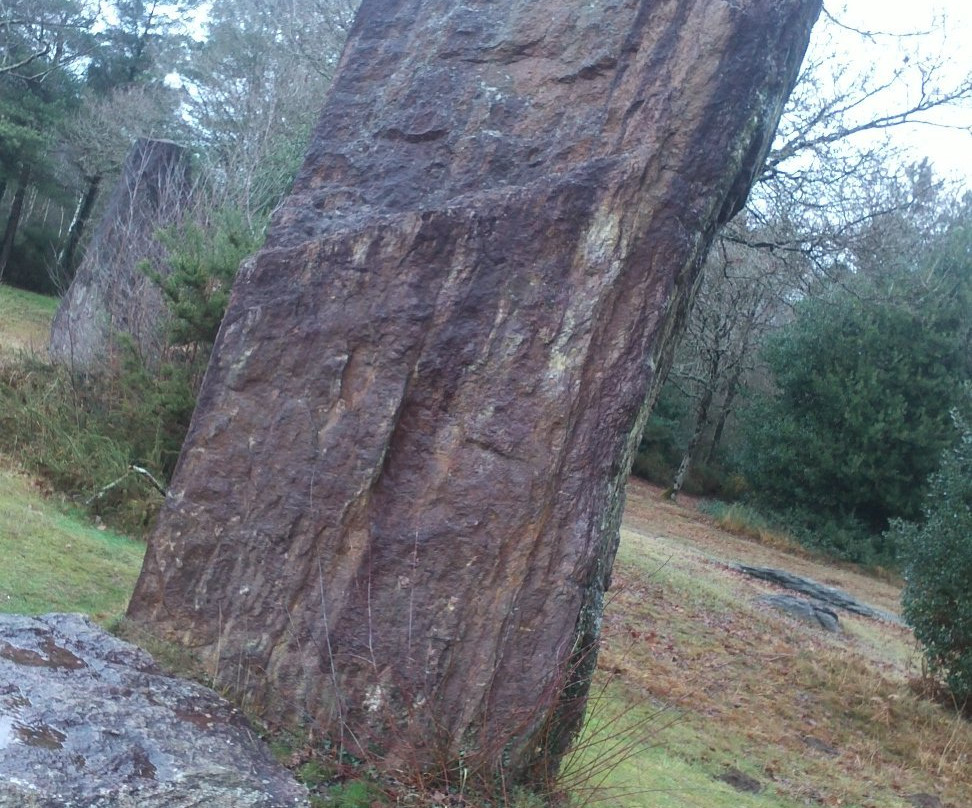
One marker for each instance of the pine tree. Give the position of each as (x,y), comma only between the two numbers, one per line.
(865,377)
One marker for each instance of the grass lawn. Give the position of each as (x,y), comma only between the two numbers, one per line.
(25,320)
(53,561)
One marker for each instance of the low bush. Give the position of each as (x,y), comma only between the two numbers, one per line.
(745,520)
(702,481)
(706,480)
(796,530)
(937,557)
(652,466)
(110,436)
(83,434)
(662,441)
(842,539)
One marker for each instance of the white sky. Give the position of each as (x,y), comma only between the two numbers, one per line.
(949,27)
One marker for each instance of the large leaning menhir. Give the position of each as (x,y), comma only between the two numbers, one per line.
(398,506)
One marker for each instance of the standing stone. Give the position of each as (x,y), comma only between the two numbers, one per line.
(110,294)
(396,513)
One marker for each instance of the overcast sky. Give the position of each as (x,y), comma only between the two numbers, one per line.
(950,150)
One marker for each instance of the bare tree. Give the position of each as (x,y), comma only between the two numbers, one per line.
(317,29)
(97,140)
(834,195)
(111,295)
(824,176)
(38,37)
(255,87)
(742,295)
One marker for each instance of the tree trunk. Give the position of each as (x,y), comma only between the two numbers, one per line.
(396,512)
(65,261)
(724,412)
(732,388)
(13,218)
(701,422)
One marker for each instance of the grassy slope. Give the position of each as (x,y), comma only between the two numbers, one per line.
(818,719)
(25,321)
(695,677)
(50,559)
(53,561)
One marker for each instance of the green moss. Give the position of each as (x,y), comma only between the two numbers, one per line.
(353,794)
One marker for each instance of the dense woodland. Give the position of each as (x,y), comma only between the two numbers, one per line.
(822,378)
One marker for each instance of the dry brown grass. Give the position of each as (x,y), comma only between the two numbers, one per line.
(823,719)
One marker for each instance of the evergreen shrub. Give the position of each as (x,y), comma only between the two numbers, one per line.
(857,421)
(86,431)
(937,556)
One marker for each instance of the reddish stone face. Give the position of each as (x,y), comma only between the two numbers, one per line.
(398,506)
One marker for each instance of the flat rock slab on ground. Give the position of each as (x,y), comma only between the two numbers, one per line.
(825,595)
(89,721)
(804,609)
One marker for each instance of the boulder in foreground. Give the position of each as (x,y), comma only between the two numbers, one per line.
(89,721)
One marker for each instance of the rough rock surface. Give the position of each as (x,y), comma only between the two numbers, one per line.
(827,596)
(398,505)
(803,609)
(89,721)
(110,294)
